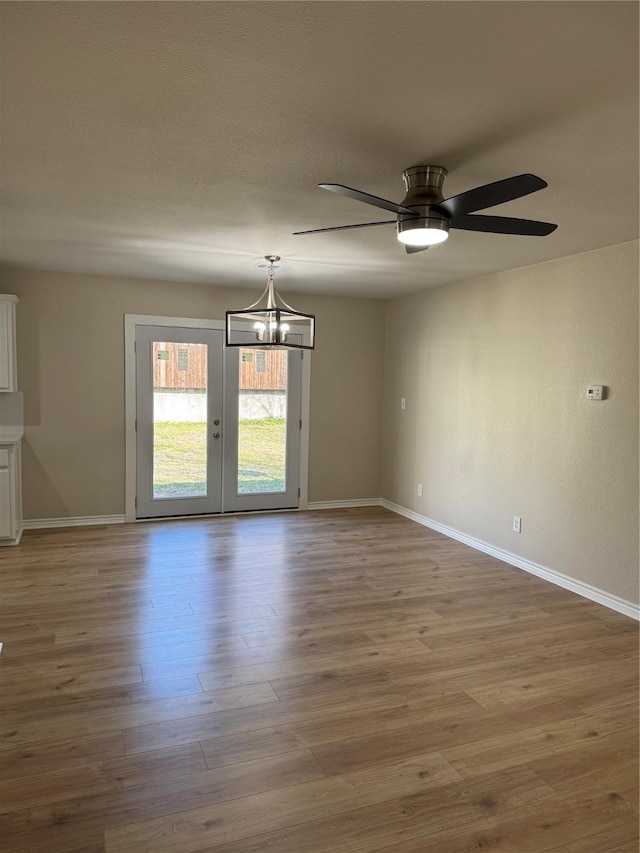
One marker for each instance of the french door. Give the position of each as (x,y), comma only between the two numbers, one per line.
(217,429)
(262,428)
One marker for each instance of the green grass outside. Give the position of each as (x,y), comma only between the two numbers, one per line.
(180,457)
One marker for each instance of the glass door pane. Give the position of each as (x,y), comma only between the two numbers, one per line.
(179,377)
(179,420)
(262,428)
(262,421)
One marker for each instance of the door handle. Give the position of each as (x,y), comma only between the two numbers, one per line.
(216,435)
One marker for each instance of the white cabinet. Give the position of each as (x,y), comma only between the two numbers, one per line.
(8,367)
(11,426)
(10,499)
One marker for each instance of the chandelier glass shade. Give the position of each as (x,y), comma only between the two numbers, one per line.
(270,323)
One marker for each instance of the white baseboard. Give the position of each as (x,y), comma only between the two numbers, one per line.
(97,520)
(77,521)
(344,504)
(621,605)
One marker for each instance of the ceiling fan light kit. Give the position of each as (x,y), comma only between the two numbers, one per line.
(424,216)
(423,230)
(269,323)
(422,227)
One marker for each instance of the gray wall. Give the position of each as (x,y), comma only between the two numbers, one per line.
(494,371)
(71,370)
(497,423)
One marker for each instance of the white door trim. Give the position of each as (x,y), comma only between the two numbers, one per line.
(130,323)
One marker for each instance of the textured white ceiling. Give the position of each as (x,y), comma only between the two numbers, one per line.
(184,141)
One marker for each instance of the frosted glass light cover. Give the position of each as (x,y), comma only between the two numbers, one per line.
(422,236)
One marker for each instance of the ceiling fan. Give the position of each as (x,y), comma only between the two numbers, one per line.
(425,216)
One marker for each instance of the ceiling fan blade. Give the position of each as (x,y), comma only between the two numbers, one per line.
(502,225)
(367,198)
(411,249)
(345,227)
(489,195)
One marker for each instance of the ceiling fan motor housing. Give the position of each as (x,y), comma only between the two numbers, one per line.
(424,189)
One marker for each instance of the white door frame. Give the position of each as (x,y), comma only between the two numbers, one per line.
(130,323)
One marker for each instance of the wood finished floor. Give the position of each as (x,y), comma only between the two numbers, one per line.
(303,683)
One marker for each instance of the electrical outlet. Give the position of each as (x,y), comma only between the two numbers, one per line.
(517,524)
(419,490)
(403,403)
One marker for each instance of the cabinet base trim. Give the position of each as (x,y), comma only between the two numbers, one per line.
(14,541)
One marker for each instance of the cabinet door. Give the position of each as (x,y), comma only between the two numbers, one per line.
(7,343)
(7,507)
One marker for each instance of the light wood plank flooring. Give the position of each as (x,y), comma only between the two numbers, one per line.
(304,683)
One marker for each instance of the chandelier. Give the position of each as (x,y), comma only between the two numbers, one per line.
(270,323)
